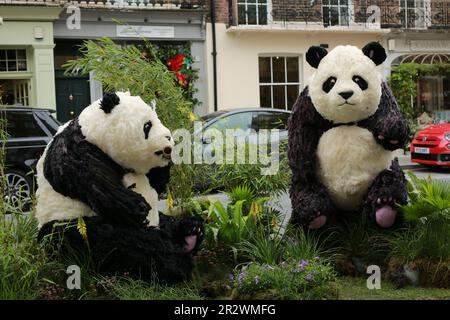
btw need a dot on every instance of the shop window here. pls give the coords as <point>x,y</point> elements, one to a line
<point>13,60</point>
<point>14,92</point>
<point>253,11</point>
<point>336,12</point>
<point>279,81</point>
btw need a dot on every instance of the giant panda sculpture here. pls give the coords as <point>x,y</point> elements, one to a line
<point>342,131</point>
<point>107,167</point>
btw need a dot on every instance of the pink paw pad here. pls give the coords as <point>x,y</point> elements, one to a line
<point>385,216</point>
<point>190,242</point>
<point>318,222</point>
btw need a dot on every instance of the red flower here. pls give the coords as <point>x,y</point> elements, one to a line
<point>182,79</point>
<point>176,62</point>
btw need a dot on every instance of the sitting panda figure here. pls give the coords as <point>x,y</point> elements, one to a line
<point>108,166</point>
<point>342,131</point>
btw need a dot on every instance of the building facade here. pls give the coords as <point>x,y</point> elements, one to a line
<point>168,22</point>
<point>260,45</point>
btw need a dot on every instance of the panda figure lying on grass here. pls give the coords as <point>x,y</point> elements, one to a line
<point>108,166</point>
<point>342,131</point>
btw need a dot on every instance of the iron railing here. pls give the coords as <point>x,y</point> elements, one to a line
<point>407,14</point>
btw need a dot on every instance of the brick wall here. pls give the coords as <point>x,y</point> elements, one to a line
<point>222,11</point>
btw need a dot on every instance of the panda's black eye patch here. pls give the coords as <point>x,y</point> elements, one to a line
<point>329,84</point>
<point>360,82</point>
<point>147,127</point>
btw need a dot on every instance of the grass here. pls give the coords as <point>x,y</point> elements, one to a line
<point>355,289</point>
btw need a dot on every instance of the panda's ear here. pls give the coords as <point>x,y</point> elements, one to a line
<point>375,51</point>
<point>314,55</point>
<point>109,101</point>
<point>153,105</point>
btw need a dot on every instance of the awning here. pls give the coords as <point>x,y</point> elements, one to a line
<point>425,58</point>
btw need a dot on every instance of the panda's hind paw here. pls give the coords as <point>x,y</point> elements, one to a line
<point>193,233</point>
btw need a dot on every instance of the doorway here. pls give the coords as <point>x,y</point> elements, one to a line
<point>72,95</point>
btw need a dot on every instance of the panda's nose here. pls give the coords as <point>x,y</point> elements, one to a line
<point>346,94</point>
<point>167,150</point>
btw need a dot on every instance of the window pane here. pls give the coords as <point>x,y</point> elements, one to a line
<point>241,14</point>
<point>334,16</point>
<point>22,65</point>
<point>251,14</point>
<point>235,121</point>
<point>21,54</point>
<point>344,2</point>
<point>279,100</point>
<point>12,65</point>
<point>278,69</point>
<point>344,17</point>
<point>262,14</point>
<point>251,1</point>
<point>326,17</point>
<point>292,69</point>
<point>21,125</point>
<point>11,54</point>
<point>2,55</point>
<point>2,66</point>
<point>264,69</point>
<point>292,94</point>
<point>334,2</point>
<point>265,96</point>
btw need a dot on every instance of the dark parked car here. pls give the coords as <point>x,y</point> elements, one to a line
<point>29,130</point>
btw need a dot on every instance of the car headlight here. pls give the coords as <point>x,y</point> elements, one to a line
<point>447,136</point>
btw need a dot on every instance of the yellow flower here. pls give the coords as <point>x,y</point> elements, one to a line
<point>255,210</point>
<point>82,229</point>
<point>192,116</point>
<point>169,201</point>
<point>274,223</point>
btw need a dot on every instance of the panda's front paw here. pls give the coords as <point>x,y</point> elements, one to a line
<point>191,232</point>
<point>392,135</point>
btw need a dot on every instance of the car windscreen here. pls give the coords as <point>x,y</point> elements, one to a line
<point>21,124</point>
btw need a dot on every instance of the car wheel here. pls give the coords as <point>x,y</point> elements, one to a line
<point>18,191</point>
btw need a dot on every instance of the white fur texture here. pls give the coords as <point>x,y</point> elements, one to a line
<point>120,133</point>
<point>150,195</point>
<point>344,62</point>
<point>349,159</point>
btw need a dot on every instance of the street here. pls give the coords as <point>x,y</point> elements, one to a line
<point>422,171</point>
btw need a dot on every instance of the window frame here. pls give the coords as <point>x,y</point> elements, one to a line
<point>425,7</point>
<point>16,60</point>
<point>256,4</point>
<point>285,83</point>
<point>350,13</point>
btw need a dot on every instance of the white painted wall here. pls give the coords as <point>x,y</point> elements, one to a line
<point>237,58</point>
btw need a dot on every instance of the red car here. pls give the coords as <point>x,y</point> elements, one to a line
<point>431,146</point>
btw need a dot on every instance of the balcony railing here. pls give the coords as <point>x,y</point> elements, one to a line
<point>119,4</point>
<point>403,14</point>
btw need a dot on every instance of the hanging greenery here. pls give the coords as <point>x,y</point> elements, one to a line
<point>403,82</point>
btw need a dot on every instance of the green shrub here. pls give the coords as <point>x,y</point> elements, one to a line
<point>297,279</point>
<point>428,217</point>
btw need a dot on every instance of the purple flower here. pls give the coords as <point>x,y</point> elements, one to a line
<point>301,266</point>
<point>256,280</point>
<point>231,276</point>
<point>309,277</point>
<point>241,277</point>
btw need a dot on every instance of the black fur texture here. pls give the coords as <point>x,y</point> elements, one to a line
<point>119,240</point>
<point>375,51</point>
<point>309,197</point>
<point>142,253</point>
<point>314,55</point>
<point>159,178</point>
<point>109,101</point>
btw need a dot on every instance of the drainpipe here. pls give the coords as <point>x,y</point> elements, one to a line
<point>214,51</point>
